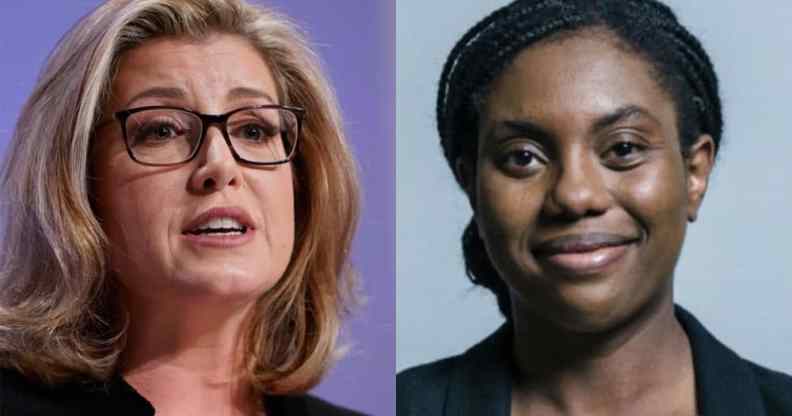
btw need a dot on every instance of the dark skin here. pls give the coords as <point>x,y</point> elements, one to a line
<point>582,196</point>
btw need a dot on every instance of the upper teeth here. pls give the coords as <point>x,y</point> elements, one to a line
<point>224,222</point>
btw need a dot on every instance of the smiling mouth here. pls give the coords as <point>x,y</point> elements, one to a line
<point>583,254</point>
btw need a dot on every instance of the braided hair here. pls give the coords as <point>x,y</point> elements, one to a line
<point>647,28</point>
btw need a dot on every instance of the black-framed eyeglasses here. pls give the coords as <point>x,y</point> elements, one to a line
<point>164,136</point>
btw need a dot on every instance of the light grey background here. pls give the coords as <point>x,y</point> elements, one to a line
<point>734,274</point>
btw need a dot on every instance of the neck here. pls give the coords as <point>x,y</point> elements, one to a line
<point>619,371</point>
<point>187,348</point>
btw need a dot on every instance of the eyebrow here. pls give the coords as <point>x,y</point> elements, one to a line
<point>621,114</point>
<point>529,128</point>
<point>523,127</point>
<point>178,93</point>
<point>245,92</point>
<point>157,92</point>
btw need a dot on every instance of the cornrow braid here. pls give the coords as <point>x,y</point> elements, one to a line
<point>647,28</point>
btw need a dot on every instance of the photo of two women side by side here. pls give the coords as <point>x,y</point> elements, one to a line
<point>454,207</point>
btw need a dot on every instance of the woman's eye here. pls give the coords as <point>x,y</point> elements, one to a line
<point>163,132</point>
<point>253,132</point>
<point>521,158</point>
<point>521,162</point>
<point>623,149</point>
<point>154,133</point>
<point>624,154</point>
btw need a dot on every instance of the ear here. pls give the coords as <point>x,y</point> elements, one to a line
<point>698,165</point>
<point>465,173</point>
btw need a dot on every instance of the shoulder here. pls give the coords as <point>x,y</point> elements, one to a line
<point>478,379</point>
<point>421,390</point>
<point>775,388</point>
<point>18,392</point>
<point>307,405</point>
<point>730,384</point>
<point>20,395</point>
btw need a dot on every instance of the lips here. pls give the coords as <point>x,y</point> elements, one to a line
<point>220,220</point>
<point>581,243</point>
<point>220,229</point>
<point>583,254</point>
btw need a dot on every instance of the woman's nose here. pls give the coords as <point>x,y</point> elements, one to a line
<point>217,167</point>
<point>579,189</point>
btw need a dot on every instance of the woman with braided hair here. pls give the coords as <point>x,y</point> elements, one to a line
<point>583,133</point>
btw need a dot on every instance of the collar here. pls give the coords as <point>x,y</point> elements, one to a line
<point>725,384</point>
<point>481,383</point>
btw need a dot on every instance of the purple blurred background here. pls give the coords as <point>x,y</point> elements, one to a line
<point>356,41</point>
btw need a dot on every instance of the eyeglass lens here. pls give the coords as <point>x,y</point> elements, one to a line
<point>164,136</point>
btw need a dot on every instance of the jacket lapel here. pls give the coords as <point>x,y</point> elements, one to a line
<point>481,383</point>
<point>725,384</point>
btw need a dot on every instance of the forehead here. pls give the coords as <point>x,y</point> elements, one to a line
<point>576,78</point>
<point>203,69</point>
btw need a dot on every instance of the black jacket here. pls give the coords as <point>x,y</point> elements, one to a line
<point>20,397</point>
<point>478,382</point>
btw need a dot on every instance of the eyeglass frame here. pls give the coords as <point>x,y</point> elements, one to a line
<point>206,121</point>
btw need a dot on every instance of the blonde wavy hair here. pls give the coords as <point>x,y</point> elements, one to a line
<point>60,316</point>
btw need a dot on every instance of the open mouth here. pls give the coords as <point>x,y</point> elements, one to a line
<point>219,227</point>
<point>220,231</point>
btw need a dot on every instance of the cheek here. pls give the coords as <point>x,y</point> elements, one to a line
<point>656,199</point>
<point>507,210</point>
<point>143,207</point>
<point>135,210</point>
<point>275,199</point>
<point>657,196</point>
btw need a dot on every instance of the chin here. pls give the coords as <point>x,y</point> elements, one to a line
<point>225,281</point>
<point>579,309</point>
<point>591,321</point>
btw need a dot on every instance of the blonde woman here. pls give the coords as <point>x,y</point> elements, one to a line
<point>180,206</point>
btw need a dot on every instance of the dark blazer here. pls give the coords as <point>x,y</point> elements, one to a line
<point>478,382</point>
<point>20,397</point>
